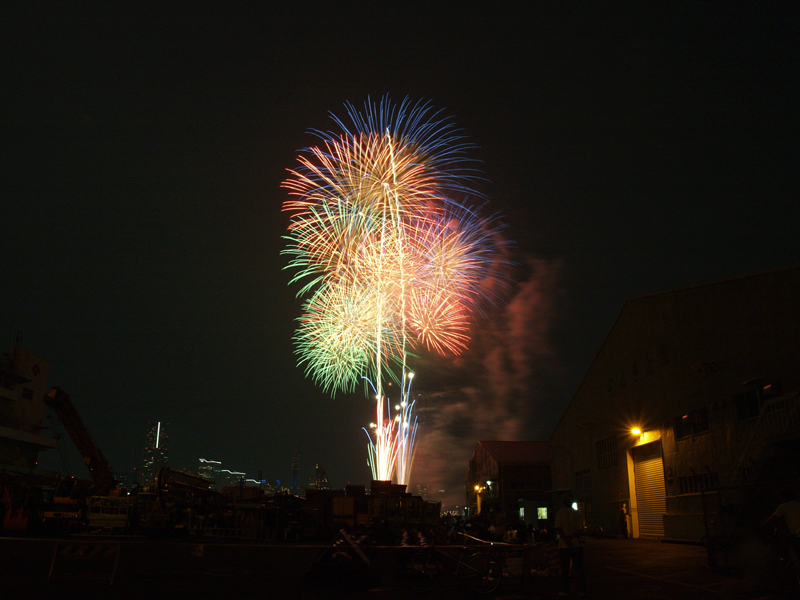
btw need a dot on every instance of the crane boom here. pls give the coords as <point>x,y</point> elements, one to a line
<point>99,469</point>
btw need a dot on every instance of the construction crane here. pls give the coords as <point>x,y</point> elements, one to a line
<point>99,470</point>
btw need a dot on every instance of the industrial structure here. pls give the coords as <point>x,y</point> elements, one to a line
<point>689,416</point>
<point>23,385</point>
<point>99,470</point>
<point>30,496</point>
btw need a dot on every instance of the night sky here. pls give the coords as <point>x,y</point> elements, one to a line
<point>629,149</point>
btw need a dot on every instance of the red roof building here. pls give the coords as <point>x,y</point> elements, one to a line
<point>510,478</point>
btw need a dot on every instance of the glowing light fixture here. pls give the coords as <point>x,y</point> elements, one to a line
<point>636,431</point>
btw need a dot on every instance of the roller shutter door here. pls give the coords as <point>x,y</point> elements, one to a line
<point>651,495</point>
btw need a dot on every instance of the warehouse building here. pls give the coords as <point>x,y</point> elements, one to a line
<point>693,393</point>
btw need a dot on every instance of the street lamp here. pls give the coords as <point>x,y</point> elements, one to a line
<point>478,490</point>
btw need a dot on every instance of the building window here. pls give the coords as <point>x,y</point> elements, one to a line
<point>583,486</point>
<point>541,513</point>
<point>748,404</point>
<point>691,423</point>
<point>607,455</point>
<point>693,484</point>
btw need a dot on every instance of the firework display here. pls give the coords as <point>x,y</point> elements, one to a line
<point>390,256</point>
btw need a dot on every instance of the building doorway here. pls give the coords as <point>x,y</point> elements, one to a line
<point>650,491</point>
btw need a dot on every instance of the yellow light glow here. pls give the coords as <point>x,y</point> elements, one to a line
<point>636,431</point>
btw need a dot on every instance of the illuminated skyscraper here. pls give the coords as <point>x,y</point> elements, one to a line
<point>155,450</point>
<point>210,470</point>
<point>321,479</point>
<point>228,478</point>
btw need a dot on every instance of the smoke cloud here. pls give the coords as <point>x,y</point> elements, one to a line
<point>491,393</point>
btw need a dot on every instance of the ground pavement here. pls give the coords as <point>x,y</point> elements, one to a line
<point>164,569</point>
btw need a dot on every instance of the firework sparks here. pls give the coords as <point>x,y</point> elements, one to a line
<point>381,239</point>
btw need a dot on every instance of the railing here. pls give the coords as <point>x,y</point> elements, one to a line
<point>781,416</point>
<point>778,418</point>
<point>238,533</point>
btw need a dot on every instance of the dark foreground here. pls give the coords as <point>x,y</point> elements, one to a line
<point>157,569</point>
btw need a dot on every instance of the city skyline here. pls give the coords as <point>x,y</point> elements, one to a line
<point>156,454</point>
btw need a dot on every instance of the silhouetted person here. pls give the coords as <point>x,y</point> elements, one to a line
<point>569,527</point>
